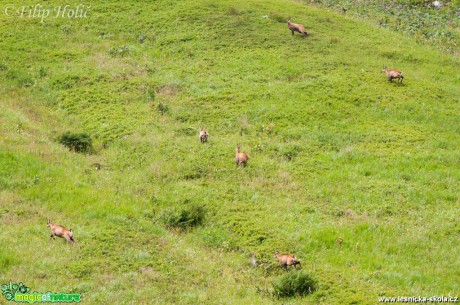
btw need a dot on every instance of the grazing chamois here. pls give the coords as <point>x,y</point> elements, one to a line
<point>286,260</point>
<point>393,74</point>
<point>60,231</point>
<point>294,27</point>
<point>203,135</point>
<point>241,158</point>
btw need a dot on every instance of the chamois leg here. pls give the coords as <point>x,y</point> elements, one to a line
<point>292,32</point>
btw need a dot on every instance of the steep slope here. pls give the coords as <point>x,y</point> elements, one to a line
<point>357,176</point>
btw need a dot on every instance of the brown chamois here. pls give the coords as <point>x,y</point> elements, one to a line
<point>294,27</point>
<point>241,158</point>
<point>203,135</point>
<point>286,260</point>
<point>60,231</point>
<point>393,74</point>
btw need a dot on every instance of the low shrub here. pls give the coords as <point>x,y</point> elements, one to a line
<point>278,17</point>
<point>184,218</point>
<point>294,283</point>
<point>233,11</point>
<point>78,142</point>
<point>162,108</point>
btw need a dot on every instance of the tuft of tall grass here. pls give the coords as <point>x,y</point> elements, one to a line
<point>184,218</point>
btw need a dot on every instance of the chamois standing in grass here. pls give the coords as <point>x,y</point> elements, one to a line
<point>241,158</point>
<point>295,27</point>
<point>286,260</point>
<point>203,135</point>
<point>393,74</point>
<point>60,231</point>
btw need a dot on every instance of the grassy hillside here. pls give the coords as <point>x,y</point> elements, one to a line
<point>355,175</point>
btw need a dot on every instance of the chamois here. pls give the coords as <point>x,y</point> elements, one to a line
<point>203,135</point>
<point>241,158</point>
<point>294,27</point>
<point>286,260</point>
<point>393,74</point>
<point>60,231</point>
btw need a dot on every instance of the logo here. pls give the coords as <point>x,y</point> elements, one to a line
<point>21,293</point>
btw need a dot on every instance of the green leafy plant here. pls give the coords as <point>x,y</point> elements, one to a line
<point>296,283</point>
<point>162,108</point>
<point>184,218</point>
<point>78,142</point>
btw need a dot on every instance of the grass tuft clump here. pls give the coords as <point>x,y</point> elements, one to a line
<point>78,142</point>
<point>233,11</point>
<point>7,259</point>
<point>26,81</point>
<point>162,108</point>
<point>278,17</point>
<point>120,51</point>
<point>292,284</point>
<point>184,218</point>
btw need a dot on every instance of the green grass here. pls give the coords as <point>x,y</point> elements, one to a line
<point>356,176</point>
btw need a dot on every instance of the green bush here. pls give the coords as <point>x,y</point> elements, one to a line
<point>184,218</point>
<point>292,284</point>
<point>162,108</point>
<point>278,17</point>
<point>233,11</point>
<point>78,142</point>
